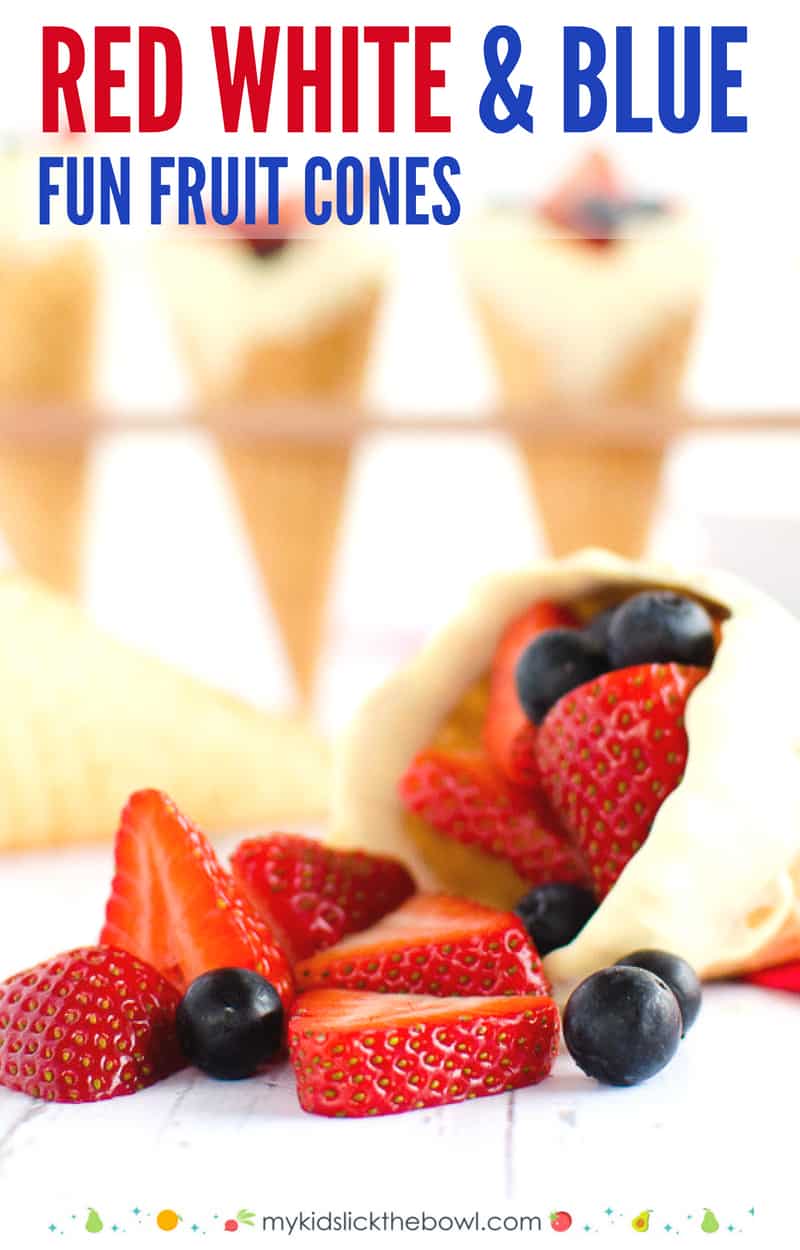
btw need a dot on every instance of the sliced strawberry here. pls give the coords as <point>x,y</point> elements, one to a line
<point>610,752</point>
<point>434,944</point>
<point>509,736</point>
<point>91,1024</point>
<point>312,895</point>
<point>462,796</point>
<point>378,1054</point>
<point>173,904</point>
<point>784,977</point>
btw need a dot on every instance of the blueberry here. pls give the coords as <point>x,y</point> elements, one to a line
<point>554,914</point>
<point>230,1022</point>
<point>596,630</point>
<point>660,627</point>
<point>677,974</point>
<point>622,1025</point>
<point>556,662</point>
<point>264,247</point>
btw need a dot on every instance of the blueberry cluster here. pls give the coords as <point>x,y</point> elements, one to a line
<point>623,1025</point>
<point>654,627</point>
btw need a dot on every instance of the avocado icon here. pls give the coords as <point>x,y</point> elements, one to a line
<point>710,1222</point>
<point>641,1223</point>
<point>93,1223</point>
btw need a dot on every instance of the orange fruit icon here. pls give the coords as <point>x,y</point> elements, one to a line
<point>167,1220</point>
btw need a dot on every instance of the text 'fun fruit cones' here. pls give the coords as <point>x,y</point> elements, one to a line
<point>92,719</point>
<point>265,323</point>
<point>48,296</point>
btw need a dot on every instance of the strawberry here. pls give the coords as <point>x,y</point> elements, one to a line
<point>610,752</point>
<point>173,904</point>
<point>434,944</point>
<point>462,796</point>
<point>509,736</point>
<point>378,1054</point>
<point>784,977</point>
<point>91,1024</point>
<point>313,895</point>
<point>574,205</point>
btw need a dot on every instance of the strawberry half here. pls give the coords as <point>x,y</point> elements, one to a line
<point>378,1054</point>
<point>313,895</point>
<point>509,735</point>
<point>434,944</point>
<point>610,752</point>
<point>91,1024</point>
<point>173,904</point>
<point>461,795</point>
<point>784,977</point>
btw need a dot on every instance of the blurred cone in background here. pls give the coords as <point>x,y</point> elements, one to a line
<point>48,298</point>
<point>291,497</point>
<point>589,304</point>
<point>292,324</point>
<point>604,496</point>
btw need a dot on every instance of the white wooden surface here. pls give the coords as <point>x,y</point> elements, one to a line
<point>711,1131</point>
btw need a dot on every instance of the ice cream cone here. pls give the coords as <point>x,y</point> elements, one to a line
<point>47,313</point>
<point>93,720</point>
<point>42,497</point>
<point>291,497</point>
<point>586,490</point>
<point>291,494</point>
<point>260,333</point>
<point>589,492</point>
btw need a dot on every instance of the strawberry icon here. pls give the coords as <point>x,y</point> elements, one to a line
<point>560,1221</point>
<point>242,1217</point>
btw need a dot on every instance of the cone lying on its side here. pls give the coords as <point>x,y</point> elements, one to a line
<point>587,491</point>
<point>89,720</point>
<point>291,494</point>
<point>47,318</point>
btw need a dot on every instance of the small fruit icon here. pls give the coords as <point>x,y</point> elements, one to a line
<point>641,1222</point>
<point>242,1217</point>
<point>167,1220</point>
<point>710,1222</point>
<point>560,1221</point>
<point>93,1222</point>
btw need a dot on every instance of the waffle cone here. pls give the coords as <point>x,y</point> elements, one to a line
<point>651,376</point>
<point>586,494</point>
<point>291,494</point>
<point>326,361</point>
<point>47,315</point>
<point>291,497</point>
<point>93,720</point>
<point>42,504</point>
<point>593,494</point>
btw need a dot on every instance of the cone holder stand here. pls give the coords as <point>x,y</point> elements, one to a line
<point>592,483</point>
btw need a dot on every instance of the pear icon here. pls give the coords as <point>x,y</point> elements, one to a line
<point>93,1222</point>
<point>641,1222</point>
<point>710,1222</point>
